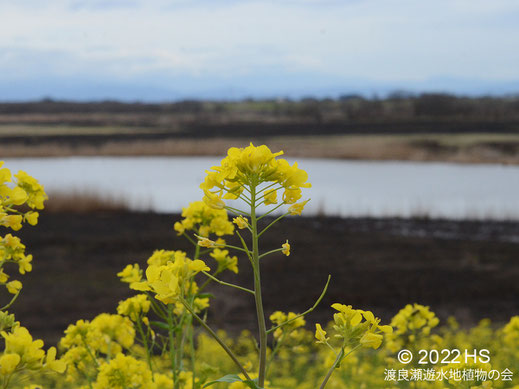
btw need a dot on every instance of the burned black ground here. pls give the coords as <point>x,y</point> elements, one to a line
<point>464,269</point>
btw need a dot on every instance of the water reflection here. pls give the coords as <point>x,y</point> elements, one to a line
<point>346,188</point>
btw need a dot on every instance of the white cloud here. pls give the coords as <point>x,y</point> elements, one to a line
<point>376,39</point>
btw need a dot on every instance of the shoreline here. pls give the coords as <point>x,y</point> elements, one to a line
<point>455,148</point>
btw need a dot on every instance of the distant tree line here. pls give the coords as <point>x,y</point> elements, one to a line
<point>396,106</point>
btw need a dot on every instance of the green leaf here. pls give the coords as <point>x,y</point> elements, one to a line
<point>160,324</point>
<point>204,295</point>
<point>252,384</point>
<point>230,378</point>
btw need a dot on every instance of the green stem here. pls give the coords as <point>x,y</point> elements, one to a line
<point>217,338</point>
<point>192,350</point>
<point>188,238</point>
<point>172,355</point>
<point>273,354</point>
<point>272,210</point>
<point>330,372</point>
<point>208,281</point>
<point>11,302</point>
<point>155,307</point>
<point>245,199</point>
<point>245,247</point>
<point>228,284</point>
<point>245,187</point>
<point>270,252</point>
<point>197,252</point>
<point>338,360</point>
<point>268,187</point>
<point>6,382</point>
<point>271,224</point>
<point>145,342</point>
<point>180,345</point>
<point>330,347</point>
<point>305,312</point>
<point>248,227</point>
<point>257,293</point>
<point>89,352</point>
<point>236,211</point>
<point>233,247</point>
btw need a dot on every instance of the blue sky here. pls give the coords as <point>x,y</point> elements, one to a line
<point>161,50</point>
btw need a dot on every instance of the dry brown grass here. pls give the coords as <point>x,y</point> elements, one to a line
<point>81,202</point>
<point>466,148</point>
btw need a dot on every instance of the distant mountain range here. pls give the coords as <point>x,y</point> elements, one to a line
<point>293,86</point>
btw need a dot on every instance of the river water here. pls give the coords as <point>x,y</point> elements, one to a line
<point>339,187</point>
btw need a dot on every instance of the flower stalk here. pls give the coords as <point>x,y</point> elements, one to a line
<point>262,328</point>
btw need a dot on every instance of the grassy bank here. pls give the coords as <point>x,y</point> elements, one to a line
<point>426,127</point>
<point>461,148</point>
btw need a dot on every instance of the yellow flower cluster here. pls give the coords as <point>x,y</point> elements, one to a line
<point>278,318</point>
<point>250,167</point>
<point>12,250</point>
<point>198,305</point>
<point>17,190</point>
<point>225,260</point>
<point>23,353</point>
<point>204,220</point>
<point>162,257</point>
<point>87,344</point>
<point>285,248</point>
<point>171,280</point>
<point>294,368</point>
<point>106,333</point>
<point>169,275</point>
<point>410,321</point>
<point>511,332</point>
<point>355,327</point>
<point>124,372</point>
<point>131,274</point>
<point>7,321</point>
<point>367,368</point>
<point>205,242</point>
<point>241,222</point>
<point>20,195</point>
<point>134,307</point>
